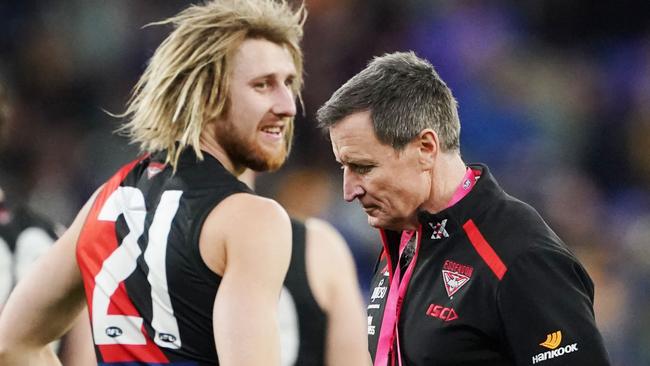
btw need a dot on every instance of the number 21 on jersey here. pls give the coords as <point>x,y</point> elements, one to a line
<point>111,329</point>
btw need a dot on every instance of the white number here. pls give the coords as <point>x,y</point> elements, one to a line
<point>125,329</point>
<point>163,321</point>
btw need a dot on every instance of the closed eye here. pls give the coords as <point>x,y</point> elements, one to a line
<point>360,169</point>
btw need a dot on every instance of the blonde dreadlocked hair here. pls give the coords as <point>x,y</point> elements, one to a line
<point>186,83</point>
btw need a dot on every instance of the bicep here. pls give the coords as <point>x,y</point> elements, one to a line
<point>77,349</point>
<point>258,247</point>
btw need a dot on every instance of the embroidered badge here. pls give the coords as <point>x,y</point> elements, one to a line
<point>455,275</point>
<point>439,230</point>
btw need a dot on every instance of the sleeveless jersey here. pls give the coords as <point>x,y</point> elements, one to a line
<point>150,295</point>
<point>303,323</point>
<point>24,236</point>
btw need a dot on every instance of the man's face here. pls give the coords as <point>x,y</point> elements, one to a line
<point>389,185</point>
<point>253,133</point>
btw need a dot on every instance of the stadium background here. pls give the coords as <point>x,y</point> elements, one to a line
<point>554,96</point>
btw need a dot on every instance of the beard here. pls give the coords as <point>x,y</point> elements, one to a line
<point>246,153</point>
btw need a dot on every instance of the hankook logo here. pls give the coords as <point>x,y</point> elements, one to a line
<point>552,342</point>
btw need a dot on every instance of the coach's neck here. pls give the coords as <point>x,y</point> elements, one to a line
<point>446,175</point>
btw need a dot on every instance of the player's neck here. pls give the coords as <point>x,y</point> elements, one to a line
<point>209,144</point>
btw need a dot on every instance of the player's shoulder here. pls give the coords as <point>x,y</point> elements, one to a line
<point>321,228</point>
<point>321,231</point>
<point>325,242</point>
<point>328,260</point>
<point>244,223</point>
<point>247,211</point>
<point>251,205</point>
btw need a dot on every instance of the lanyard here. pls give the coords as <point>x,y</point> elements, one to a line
<point>396,293</point>
<point>399,283</point>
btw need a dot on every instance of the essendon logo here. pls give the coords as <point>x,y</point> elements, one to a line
<point>455,276</point>
<point>441,312</point>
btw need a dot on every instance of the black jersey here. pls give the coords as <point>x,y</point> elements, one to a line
<point>24,236</point>
<point>303,323</point>
<point>150,295</point>
<point>491,284</point>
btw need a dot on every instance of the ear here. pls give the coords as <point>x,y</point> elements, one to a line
<point>428,147</point>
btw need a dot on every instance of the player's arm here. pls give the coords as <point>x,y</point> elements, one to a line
<point>249,237</point>
<point>545,302</point>
<point>333,278</point>
<point>77,345</point>
<point>44,304</point>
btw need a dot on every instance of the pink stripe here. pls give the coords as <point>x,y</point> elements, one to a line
<point>484,249</point>
<point>393,305</point>
<point>466,185</point>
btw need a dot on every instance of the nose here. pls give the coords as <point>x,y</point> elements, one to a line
<point>351,186</point>
<point>285,102</point>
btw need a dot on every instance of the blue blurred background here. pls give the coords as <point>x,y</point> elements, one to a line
<point>554,96</point>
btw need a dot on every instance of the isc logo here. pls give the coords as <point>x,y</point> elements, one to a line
<point>441,312</point>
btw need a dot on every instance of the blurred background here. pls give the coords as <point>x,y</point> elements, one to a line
<point>554,96</point>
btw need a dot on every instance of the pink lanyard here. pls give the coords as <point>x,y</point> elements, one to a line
<point>397,291</point>
<point>396,294</point>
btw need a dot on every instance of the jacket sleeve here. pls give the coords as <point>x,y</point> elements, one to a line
<point>545,302</point>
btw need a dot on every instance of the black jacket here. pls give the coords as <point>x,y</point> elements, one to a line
<point>492,285</point>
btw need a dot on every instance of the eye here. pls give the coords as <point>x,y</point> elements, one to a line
<point>289,81</point>
<point>361,169</point>
<point>262,84</point>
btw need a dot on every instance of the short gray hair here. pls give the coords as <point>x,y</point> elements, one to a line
<point>404,95</point>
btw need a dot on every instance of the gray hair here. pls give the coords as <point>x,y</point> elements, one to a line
<point>404,95</point>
